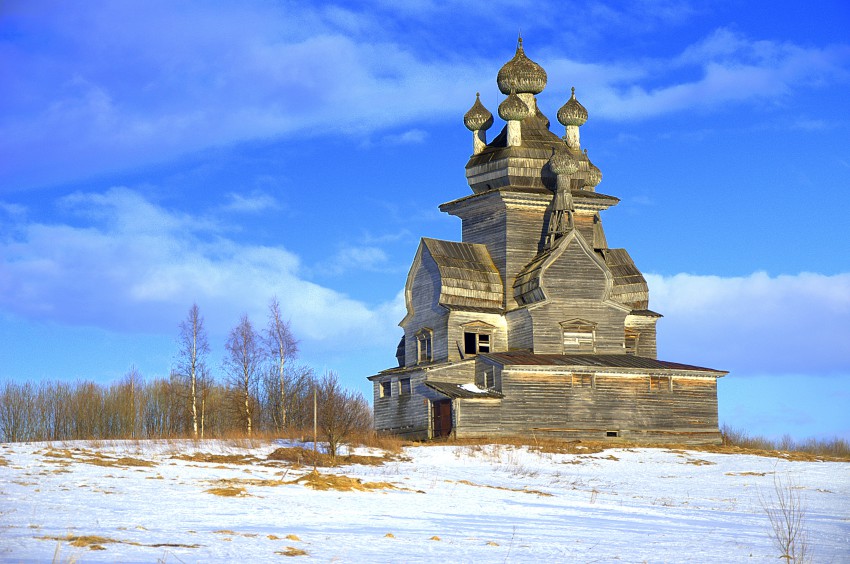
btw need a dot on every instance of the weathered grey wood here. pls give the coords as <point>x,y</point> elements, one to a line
<point>568,295</point>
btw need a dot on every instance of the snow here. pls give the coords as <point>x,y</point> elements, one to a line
<point>473,388</point>
<point>453,503</point>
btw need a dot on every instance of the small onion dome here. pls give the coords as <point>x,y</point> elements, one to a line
<point>478,117</point>
<point>521,74</point>
<point>572,113</point>
<point>594,175</point>
<point>562,162</point>
<point>513,109</point>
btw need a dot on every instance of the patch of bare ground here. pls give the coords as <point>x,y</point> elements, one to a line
<point>748,473</point>
<point>236,482</point>
<point>291,551</point>
<point>217,458</point>
<point>299,456</point>
<point>95,542</point>
<point>338,482</point>
<point>503,488</point>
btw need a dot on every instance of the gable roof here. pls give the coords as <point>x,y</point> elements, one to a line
<point>468,277</point>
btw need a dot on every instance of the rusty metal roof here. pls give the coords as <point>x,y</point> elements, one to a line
<point>522,358</point>
<point>455,391</point>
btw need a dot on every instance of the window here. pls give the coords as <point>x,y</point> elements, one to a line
<point>579,337</point>
<point>660,384</point>
<point>631,342</point>
<point>386,389</point>
<point>612,433</point>
<point>404,386</point>
<point>582,381</point>
<point>490,379</point>
<point>423,346</point>
<point>474,343</point>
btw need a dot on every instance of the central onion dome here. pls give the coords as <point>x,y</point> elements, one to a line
<point>478,117</point>
<point>513,108</point>
<point>521,75</point>
<point>572,113</point>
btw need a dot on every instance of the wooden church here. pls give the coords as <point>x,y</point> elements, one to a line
<point>533,325</point>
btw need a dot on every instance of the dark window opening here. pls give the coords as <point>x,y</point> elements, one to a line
<point>612,434</point>
<point>386,389</point>
<point>404,386</point>
<point>423,346</point>
<point>474,343</point>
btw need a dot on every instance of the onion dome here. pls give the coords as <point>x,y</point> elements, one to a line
<point>521,74</point>
<point>562,162</point>
<point>513,109</point>
<point>572,113</point>
<point>594,175</point>
<point>478,117</point>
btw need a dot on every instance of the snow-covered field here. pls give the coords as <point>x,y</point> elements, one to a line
<point>151,502</point>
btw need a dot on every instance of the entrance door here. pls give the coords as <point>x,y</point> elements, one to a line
<point>442,418</point>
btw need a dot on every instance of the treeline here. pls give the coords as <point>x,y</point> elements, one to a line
<point>261,390</point>
<point>133,408</point>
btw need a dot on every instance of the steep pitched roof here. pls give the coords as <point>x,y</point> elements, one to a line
<point>468,277</point>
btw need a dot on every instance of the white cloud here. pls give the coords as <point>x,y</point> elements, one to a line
<point>755,324</point>
<point>249,203</point>
<point>135,267</point>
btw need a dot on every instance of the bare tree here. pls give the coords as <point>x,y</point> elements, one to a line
<point>191,358</point>
<point>787,515</point>
<point>341,412</point>
<point>242,363</point>
<point>282,347</point>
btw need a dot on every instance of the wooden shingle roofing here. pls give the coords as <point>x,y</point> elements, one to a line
<point>469,279</point>
<point>457,391</point>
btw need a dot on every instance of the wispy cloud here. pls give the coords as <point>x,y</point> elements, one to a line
<point>128,265</point>
<point>249,203</point>
<point>755,324</point>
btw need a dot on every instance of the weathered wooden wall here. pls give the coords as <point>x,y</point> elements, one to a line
<point>589,406</point>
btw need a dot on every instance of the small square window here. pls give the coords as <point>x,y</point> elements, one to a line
<point>386,389</point>
<point>404,386</point>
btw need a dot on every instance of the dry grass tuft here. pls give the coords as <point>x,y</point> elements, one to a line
<point>809,450</point>
<point>305,457</point>
<point>228,491</point>
<point>699,462</point>
<point>272,537</point>
<point>291,551</point>
<point>94,542</point>
<point>389,536</point>
<point>337,482</point>
<point>491,543</point>
<point>520,490</point>
<point>293,538</point>
<point>3,461</point>
<point>217,458</point>
<point>435,538</point>
<point>748,473</point>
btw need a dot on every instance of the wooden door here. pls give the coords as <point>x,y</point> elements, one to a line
<point>442,418</point>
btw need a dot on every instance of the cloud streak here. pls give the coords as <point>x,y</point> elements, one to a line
<point>755,324</point>
<point>173,80</point>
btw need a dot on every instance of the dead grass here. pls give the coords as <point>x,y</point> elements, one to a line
<point>300,456</point>
<point>95,458</point>
<point>503,488</point>
<point>94,542</point>
<point>217,458</point>
<point>339,482</point>
<point>228,491</point>
<point>748,473</point>
<point>237,482</point>
<point>810,450</point>
<point>291,551</point>
<point>3,461</point>
<point>293,538</point>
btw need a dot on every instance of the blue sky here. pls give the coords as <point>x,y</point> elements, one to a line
<point>156,154</point>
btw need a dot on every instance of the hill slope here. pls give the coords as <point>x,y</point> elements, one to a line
<point>221,501</point>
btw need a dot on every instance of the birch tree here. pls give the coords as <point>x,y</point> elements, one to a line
<point>191,359</point>
<point>242,364</point>
<point>282,347</point>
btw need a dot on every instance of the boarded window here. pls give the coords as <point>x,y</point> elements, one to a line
<point>579,337</point>
<point>423,346</point>
<point>583,381</point>
<point>386,389</point>
<point>660,384</point>
<point>631,341</point>
<point>404,386</point>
